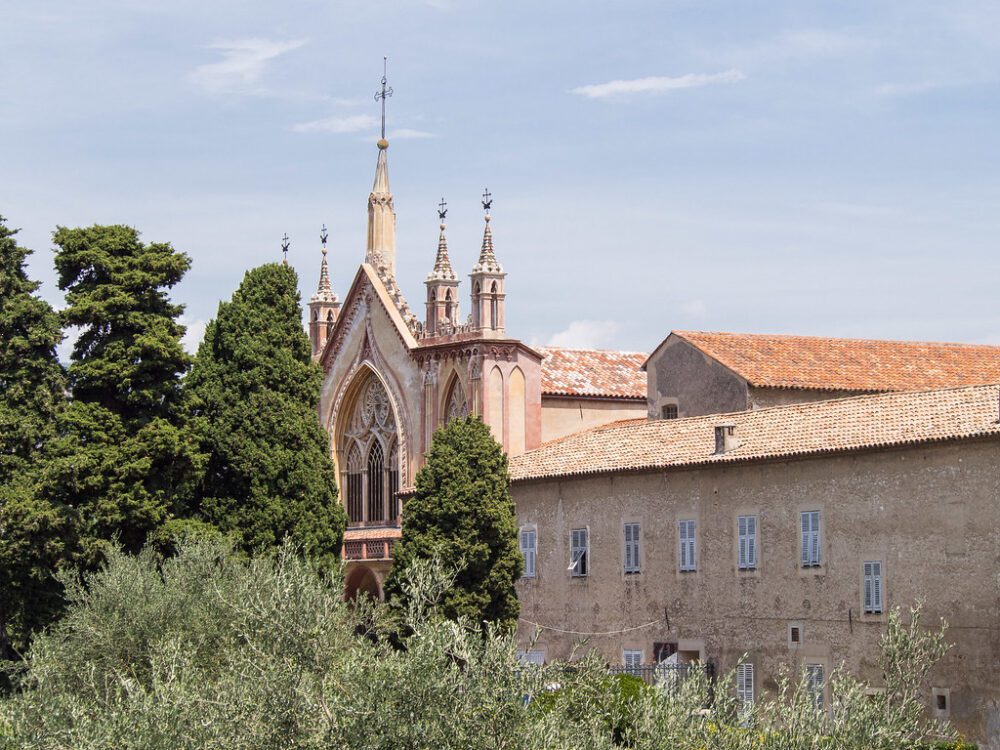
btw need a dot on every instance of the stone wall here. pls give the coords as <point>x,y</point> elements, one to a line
<point>562,415</point>
<point>931,514</point>
<point>679,373</point>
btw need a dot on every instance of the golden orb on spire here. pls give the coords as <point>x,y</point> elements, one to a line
<point>383,144</point>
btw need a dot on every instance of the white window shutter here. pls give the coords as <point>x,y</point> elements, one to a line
<point>806,527</point>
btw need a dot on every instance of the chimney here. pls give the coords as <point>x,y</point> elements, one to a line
<point>725,438</point>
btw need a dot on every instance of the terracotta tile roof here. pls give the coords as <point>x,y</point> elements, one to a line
<point>848,364</point>
<point>592,372</point>
<point>847,424</point>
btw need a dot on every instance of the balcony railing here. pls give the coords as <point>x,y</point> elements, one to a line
<point>368,549</point>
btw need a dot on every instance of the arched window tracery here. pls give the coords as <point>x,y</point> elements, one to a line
<point>494,306</point>
<point>371,481</point>
<point>457,405</point>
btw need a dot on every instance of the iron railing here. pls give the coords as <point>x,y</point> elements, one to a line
<point>665,675</point>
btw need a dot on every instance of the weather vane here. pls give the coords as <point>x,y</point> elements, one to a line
<point>442,209</point>
<point>323,236</point>
<point>487,200</point>
<point>384,93</point>
<point>284,247</point>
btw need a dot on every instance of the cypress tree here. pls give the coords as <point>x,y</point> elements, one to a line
<point>123,457</point>
<point>33,531</point>
<point>32,383</point>
<point>252,396</point>
<point>462,513</point>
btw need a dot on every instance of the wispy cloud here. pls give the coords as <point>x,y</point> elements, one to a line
<point>586,334</point>
<point>348,124</point>
<point>242,65</point>
<point>657,84</point>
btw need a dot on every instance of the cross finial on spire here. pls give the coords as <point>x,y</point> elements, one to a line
<point>285,244</point>
<point>442,209</point>
<point>384,93</point>
<point>323,237</point>
<point>487,200</point>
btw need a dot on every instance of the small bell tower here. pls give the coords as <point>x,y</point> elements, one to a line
<point>488,293</point>
<point>442,287</point>
<point>324,307</point>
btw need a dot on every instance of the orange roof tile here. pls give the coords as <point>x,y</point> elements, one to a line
<point>847,424</point>
<point>592,372</point>
<point>848,364</point>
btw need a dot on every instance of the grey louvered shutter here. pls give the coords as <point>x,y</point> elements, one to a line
<point>751,549</point>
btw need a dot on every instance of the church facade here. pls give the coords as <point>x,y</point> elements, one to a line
<point>726,497</point>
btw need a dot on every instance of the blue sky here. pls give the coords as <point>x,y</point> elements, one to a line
<point>785,167</point>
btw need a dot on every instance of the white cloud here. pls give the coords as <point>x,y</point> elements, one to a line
<point>657,84</point>
<point>586,334</point>
<point>242,65</point>
<point>349,124</point>
<point>195,333</point>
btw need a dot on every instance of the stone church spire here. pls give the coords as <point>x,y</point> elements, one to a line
<point>381,216</point>
<point>324,307</point>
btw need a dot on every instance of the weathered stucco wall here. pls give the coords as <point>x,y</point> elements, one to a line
<point>563,416</point>
<point>762,398</point>
<point>679,373</point>
<point>931,514</point>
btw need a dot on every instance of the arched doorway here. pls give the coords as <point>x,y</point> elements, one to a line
<point>362,581</point>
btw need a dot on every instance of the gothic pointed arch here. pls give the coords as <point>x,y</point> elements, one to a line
<point>456,403</point>
<point>367,447</point>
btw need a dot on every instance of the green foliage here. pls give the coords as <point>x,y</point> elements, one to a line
<point>128,357</point>
<point>211,649</point>
<point>32,383</point>
<point>252,397</point>
<point>31,380</point>
<point>462,513</point>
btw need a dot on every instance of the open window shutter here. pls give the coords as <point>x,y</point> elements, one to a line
<point>869,594</point>
<point>876,586</point>
<point>806,527</point>
<point>815,538</point>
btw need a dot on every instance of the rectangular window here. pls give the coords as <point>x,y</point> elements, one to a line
<point>747,534</point>
<point>631,548</point>
<point>529,550</point>
<point>531,657</point>
<point>632,661</point>
<point>744,684</point>
<point>687,557</point>
<point>579,563</point>
<point>873,586</point>
<point>814,683</point>
<point>810,539</point>
<point>669,411</point>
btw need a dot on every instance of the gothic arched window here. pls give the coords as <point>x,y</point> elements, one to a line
<point>457,406</point>
<point>329,323</point>
<point>447,306</point>
<point>370,480</point>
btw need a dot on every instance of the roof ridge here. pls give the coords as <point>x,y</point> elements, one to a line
<point>812,337</point>
<point>588,349</point>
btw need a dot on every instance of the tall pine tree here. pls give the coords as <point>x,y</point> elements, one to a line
<point>33,531</point>
<point>252,396</point>
<point>462,513</point>
<point>123,458</point>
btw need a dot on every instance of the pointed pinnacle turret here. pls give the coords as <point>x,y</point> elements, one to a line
<point>487,259</point>
<point>442,263</point>
<point>324,292</point>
